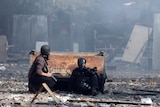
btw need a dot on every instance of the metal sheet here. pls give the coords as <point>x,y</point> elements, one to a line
<point>64,63</point>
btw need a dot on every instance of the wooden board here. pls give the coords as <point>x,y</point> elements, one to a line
<point>136,44</point>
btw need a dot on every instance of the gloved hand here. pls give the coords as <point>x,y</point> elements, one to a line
<point>93,70</point>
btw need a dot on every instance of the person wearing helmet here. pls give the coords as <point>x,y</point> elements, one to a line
<point>83,79</point>
<point>39,73</point>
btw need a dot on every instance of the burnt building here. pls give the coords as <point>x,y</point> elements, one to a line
<point>82,26</point>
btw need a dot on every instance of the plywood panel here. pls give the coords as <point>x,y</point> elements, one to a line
<point>136,44</point>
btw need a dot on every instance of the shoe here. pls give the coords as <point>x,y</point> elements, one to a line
<point>94,92</point>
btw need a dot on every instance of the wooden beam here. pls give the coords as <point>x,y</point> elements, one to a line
<point>108,101</point>
<point>145,90</point>
<point>51,93</point>
<point>135,93</point>
<point>37,94</point>
<point>44,85</point>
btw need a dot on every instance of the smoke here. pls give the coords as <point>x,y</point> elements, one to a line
<point>72,22</point>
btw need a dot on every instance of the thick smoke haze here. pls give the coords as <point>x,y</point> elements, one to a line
<point>111,14</point>
<point>79,25</point>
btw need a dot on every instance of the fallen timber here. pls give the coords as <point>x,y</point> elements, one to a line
<point>145,90</point>
<point>44,85</point>
<point>109,102</point>
<point>89,102</point>
<point>135,93</point>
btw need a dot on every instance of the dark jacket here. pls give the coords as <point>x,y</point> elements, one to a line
<point>35,80</point>
<point>83,80</point>
<point>39,64</point>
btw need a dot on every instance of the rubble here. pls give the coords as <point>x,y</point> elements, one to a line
<point>123,91</point>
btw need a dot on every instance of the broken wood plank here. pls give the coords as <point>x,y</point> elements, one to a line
<point>44,85</point>
<point>37,94</point>
<point>136,93</point>
<point>108,101</point>
<point>51,93</point>
<point>145,90</point>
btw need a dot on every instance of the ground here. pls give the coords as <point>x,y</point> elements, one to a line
<point>129,86</point>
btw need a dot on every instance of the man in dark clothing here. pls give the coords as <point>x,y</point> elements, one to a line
<point>84,80</point>
<point>39,73</point>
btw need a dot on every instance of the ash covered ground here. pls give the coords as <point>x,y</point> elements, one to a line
<point>124,84</point>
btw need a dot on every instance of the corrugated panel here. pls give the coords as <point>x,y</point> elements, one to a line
<point>64,63</point>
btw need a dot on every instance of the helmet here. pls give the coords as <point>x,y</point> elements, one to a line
<point>45,50</point>
<point>81,62</point>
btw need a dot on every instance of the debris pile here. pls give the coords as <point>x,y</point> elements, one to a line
<point>142,91</point>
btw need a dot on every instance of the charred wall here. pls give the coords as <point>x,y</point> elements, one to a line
<point>83,18</point>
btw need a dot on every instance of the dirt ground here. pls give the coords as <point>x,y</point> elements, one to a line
<point>126,86</point>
